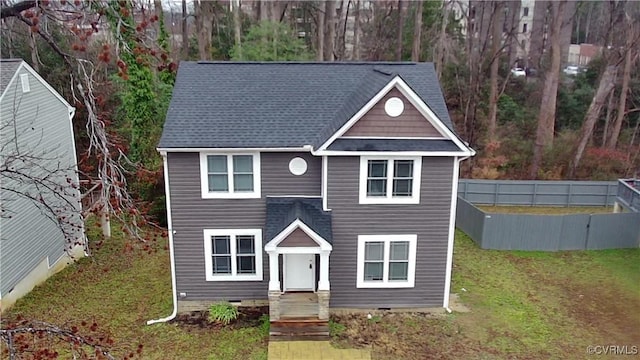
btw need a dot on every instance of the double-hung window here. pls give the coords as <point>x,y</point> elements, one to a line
<point>230,175</point>
<point>390,180</point>
<point>233,254</point>
<point>386,261</point>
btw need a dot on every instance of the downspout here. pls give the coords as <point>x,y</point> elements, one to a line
<point>171,247</point>
<point>454,200</point>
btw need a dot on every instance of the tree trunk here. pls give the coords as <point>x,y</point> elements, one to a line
<point>496,39</point>
<point>157,6</point>
<point>237,26</point>
<point>607,118</point>
<point>547,113</point>
<point>34,51</point>
<point>612,141</point>
<point>185,33</point>
<point>320,33</point>
<point>607,82</point>
<point>417,32</point>
<point>441,45</point>
<point>356,33</point>
<point>330,34</point>
<point>204,22</point>
<point>399,35</point>
<point>265,10</point>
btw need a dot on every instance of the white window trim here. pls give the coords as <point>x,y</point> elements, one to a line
<point>389,198</point>
<point>387,239</point>
<point>208,259</point>
<point>231,194</point>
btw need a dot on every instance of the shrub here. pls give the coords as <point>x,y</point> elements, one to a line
<point>223,312</point>
<point>336,329</point>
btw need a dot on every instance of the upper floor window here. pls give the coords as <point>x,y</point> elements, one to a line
<point>233,254</point>
<point>390,180</point>
<point>230,175</point>
<point>525,11</point>
<point>524,28</point>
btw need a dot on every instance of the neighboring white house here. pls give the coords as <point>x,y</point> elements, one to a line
<point>38,182</point>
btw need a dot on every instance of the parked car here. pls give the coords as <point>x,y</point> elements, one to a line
<point>571,70</point>
<point>531,71</point>
<point>517,72</point>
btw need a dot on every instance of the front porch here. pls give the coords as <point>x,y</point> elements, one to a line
<point>299,246</point>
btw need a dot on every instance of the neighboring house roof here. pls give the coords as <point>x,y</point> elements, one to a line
<point>276,105</point>
<point>8,68</point>
<point>282,211</point>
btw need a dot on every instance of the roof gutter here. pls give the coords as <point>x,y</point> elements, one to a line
<point>171,248</point>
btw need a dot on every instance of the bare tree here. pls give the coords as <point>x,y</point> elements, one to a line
<point>496,42</point>
<point>400,31</point>
<point>605,86</point>
<point>417,32</point>
<point>356,32</point>
<point>185,31</point>
<point>320,30</point>
<point>111,162</point>
<point>330,30</point>
<point>547,112</point>
<point>630,50</point>
<point>237,25</point>
<point>205,12</point>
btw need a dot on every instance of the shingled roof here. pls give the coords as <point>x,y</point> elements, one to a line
<point>8,68</point>
<point>282,211</point>
<point>273,104</point>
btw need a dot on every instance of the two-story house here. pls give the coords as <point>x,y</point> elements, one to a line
<point>336,180</point>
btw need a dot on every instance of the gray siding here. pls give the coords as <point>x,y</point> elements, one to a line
<point>43,130</point>
<point>191,214</point>
<point>429,220</point>
<point>376,122</point>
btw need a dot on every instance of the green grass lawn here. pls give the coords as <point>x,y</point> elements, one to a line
<point>524,305</point>
<point>124,284</point>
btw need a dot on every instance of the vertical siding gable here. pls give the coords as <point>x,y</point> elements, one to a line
<point>376,122</point>
<point>298,238</point>
<point>44,130</point>
<point>429,220</point>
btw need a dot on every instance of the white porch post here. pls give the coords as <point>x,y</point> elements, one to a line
<point>274,272</point>
<point>323,284</point>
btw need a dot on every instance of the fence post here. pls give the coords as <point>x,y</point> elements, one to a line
<point>569,195</point>
<point>495,195</point>
<point>466,189</point>
<point>535,193</point>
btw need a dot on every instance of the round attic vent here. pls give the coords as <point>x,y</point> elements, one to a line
<point>394,107</point>
<point>298,166</point>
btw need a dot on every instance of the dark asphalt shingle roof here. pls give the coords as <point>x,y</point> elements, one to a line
<point>282,211</point>
<point>8,68</point>
<point>252,104</point>
<point>393,145</point>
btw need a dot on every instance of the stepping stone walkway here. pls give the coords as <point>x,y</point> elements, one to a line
<point>313,350</point>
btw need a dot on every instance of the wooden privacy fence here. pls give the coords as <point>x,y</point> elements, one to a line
<point>548,232</point>
<point>538,192</point>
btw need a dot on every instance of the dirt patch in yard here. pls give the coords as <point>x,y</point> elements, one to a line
<point>405,336</point>
<point>248,316</point>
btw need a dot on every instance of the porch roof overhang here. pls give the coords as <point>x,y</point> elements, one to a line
<point>286,214</point>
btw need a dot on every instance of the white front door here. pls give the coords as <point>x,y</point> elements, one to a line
<point>299,272</point>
